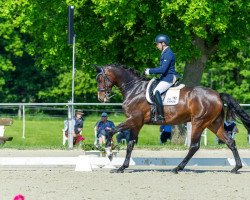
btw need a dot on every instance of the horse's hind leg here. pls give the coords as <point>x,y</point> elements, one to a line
<point>231,145</point>
<point>194,146</point>
<point>221,134</point>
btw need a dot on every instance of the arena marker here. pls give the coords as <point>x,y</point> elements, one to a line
<point>83,164</point>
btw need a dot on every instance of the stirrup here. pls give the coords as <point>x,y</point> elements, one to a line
<point>160,118</point>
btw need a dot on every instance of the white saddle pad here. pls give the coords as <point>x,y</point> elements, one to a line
<point>170,98</point>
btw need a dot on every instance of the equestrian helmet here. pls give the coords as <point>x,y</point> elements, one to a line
<point>162,38</point>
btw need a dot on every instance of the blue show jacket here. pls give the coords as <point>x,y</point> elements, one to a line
<point>167,66</point>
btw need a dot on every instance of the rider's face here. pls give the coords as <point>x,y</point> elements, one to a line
<point>159,46</point>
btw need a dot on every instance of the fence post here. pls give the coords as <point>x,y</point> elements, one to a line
<point>248,137</point>
<point>19,112</point>
<point>71,126</point>
<point>189,131</point>
<point>23,122</point>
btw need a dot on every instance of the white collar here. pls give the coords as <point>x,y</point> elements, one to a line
<point>164,50</point>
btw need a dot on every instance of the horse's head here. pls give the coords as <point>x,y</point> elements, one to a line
<point>104,83</point>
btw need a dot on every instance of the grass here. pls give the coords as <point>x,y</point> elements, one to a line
<point>46,133</point>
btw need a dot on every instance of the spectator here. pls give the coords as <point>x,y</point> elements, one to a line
<point>123,135</point>
<point>102,128</point>
<point>230,128</point>
<point>165,133</point>
<point>78,126</point>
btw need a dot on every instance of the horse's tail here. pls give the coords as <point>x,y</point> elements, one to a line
<point>234,109</point>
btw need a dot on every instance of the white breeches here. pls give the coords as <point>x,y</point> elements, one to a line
<point>163,86</point>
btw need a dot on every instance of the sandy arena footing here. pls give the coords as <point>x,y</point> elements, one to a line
<point>137,182</point>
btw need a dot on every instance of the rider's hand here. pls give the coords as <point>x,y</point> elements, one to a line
<point>146,71</point>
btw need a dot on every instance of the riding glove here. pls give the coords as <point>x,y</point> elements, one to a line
<point>146,71</point>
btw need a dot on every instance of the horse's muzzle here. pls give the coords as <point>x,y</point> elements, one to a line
<point>103,97</point>
<point>103,100</point>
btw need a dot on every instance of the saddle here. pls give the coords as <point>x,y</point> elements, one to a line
<point>169,97</point>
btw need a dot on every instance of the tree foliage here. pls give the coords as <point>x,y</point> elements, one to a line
<point>210,38</point>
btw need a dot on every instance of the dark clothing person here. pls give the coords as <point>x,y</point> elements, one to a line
<point>167,66</point>
<point>166,133</point>
<point>78,125</point>
<point>231,129</point>
<point>229,126</point>
<point>123,135</point>
<point>102,127</point>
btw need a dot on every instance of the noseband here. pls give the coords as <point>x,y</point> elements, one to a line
<point>107,80</point>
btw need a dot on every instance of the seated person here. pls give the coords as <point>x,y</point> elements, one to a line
<point>123,135</point>
<point>102,128</point>
<point>165,133</point>
<point>78,125</point>
<point>231,129</point>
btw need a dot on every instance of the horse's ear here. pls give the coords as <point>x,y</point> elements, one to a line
<point>97,69</point>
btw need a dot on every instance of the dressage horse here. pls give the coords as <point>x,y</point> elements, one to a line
<point>201,106</point>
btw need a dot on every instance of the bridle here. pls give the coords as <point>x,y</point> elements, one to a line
<point>106,89</point>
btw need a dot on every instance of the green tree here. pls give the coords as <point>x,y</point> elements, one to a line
<point>207,36</point>
<point>10,43</point>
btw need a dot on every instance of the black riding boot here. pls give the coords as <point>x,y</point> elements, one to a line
<point>159,106</point>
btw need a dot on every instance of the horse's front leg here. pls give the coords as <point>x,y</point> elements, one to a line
<point>108,149</point>
<point>134,124</point>
<point>125,165</point>
<point>133,138</point>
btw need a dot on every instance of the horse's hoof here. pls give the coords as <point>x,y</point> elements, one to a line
<point>174,171</point>
<point>235,171</point>
<point>110,156</point>
<point>117,171</point>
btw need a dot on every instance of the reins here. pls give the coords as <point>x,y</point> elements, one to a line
<point>125,86</point>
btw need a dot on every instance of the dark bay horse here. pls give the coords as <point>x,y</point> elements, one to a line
<point>203,107</point>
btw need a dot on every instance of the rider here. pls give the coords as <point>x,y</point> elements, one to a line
<point>166,69</point>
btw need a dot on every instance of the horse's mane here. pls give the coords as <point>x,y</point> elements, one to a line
<point>129,69</point>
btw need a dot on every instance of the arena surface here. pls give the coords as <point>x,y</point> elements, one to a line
<point>138,182</point>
